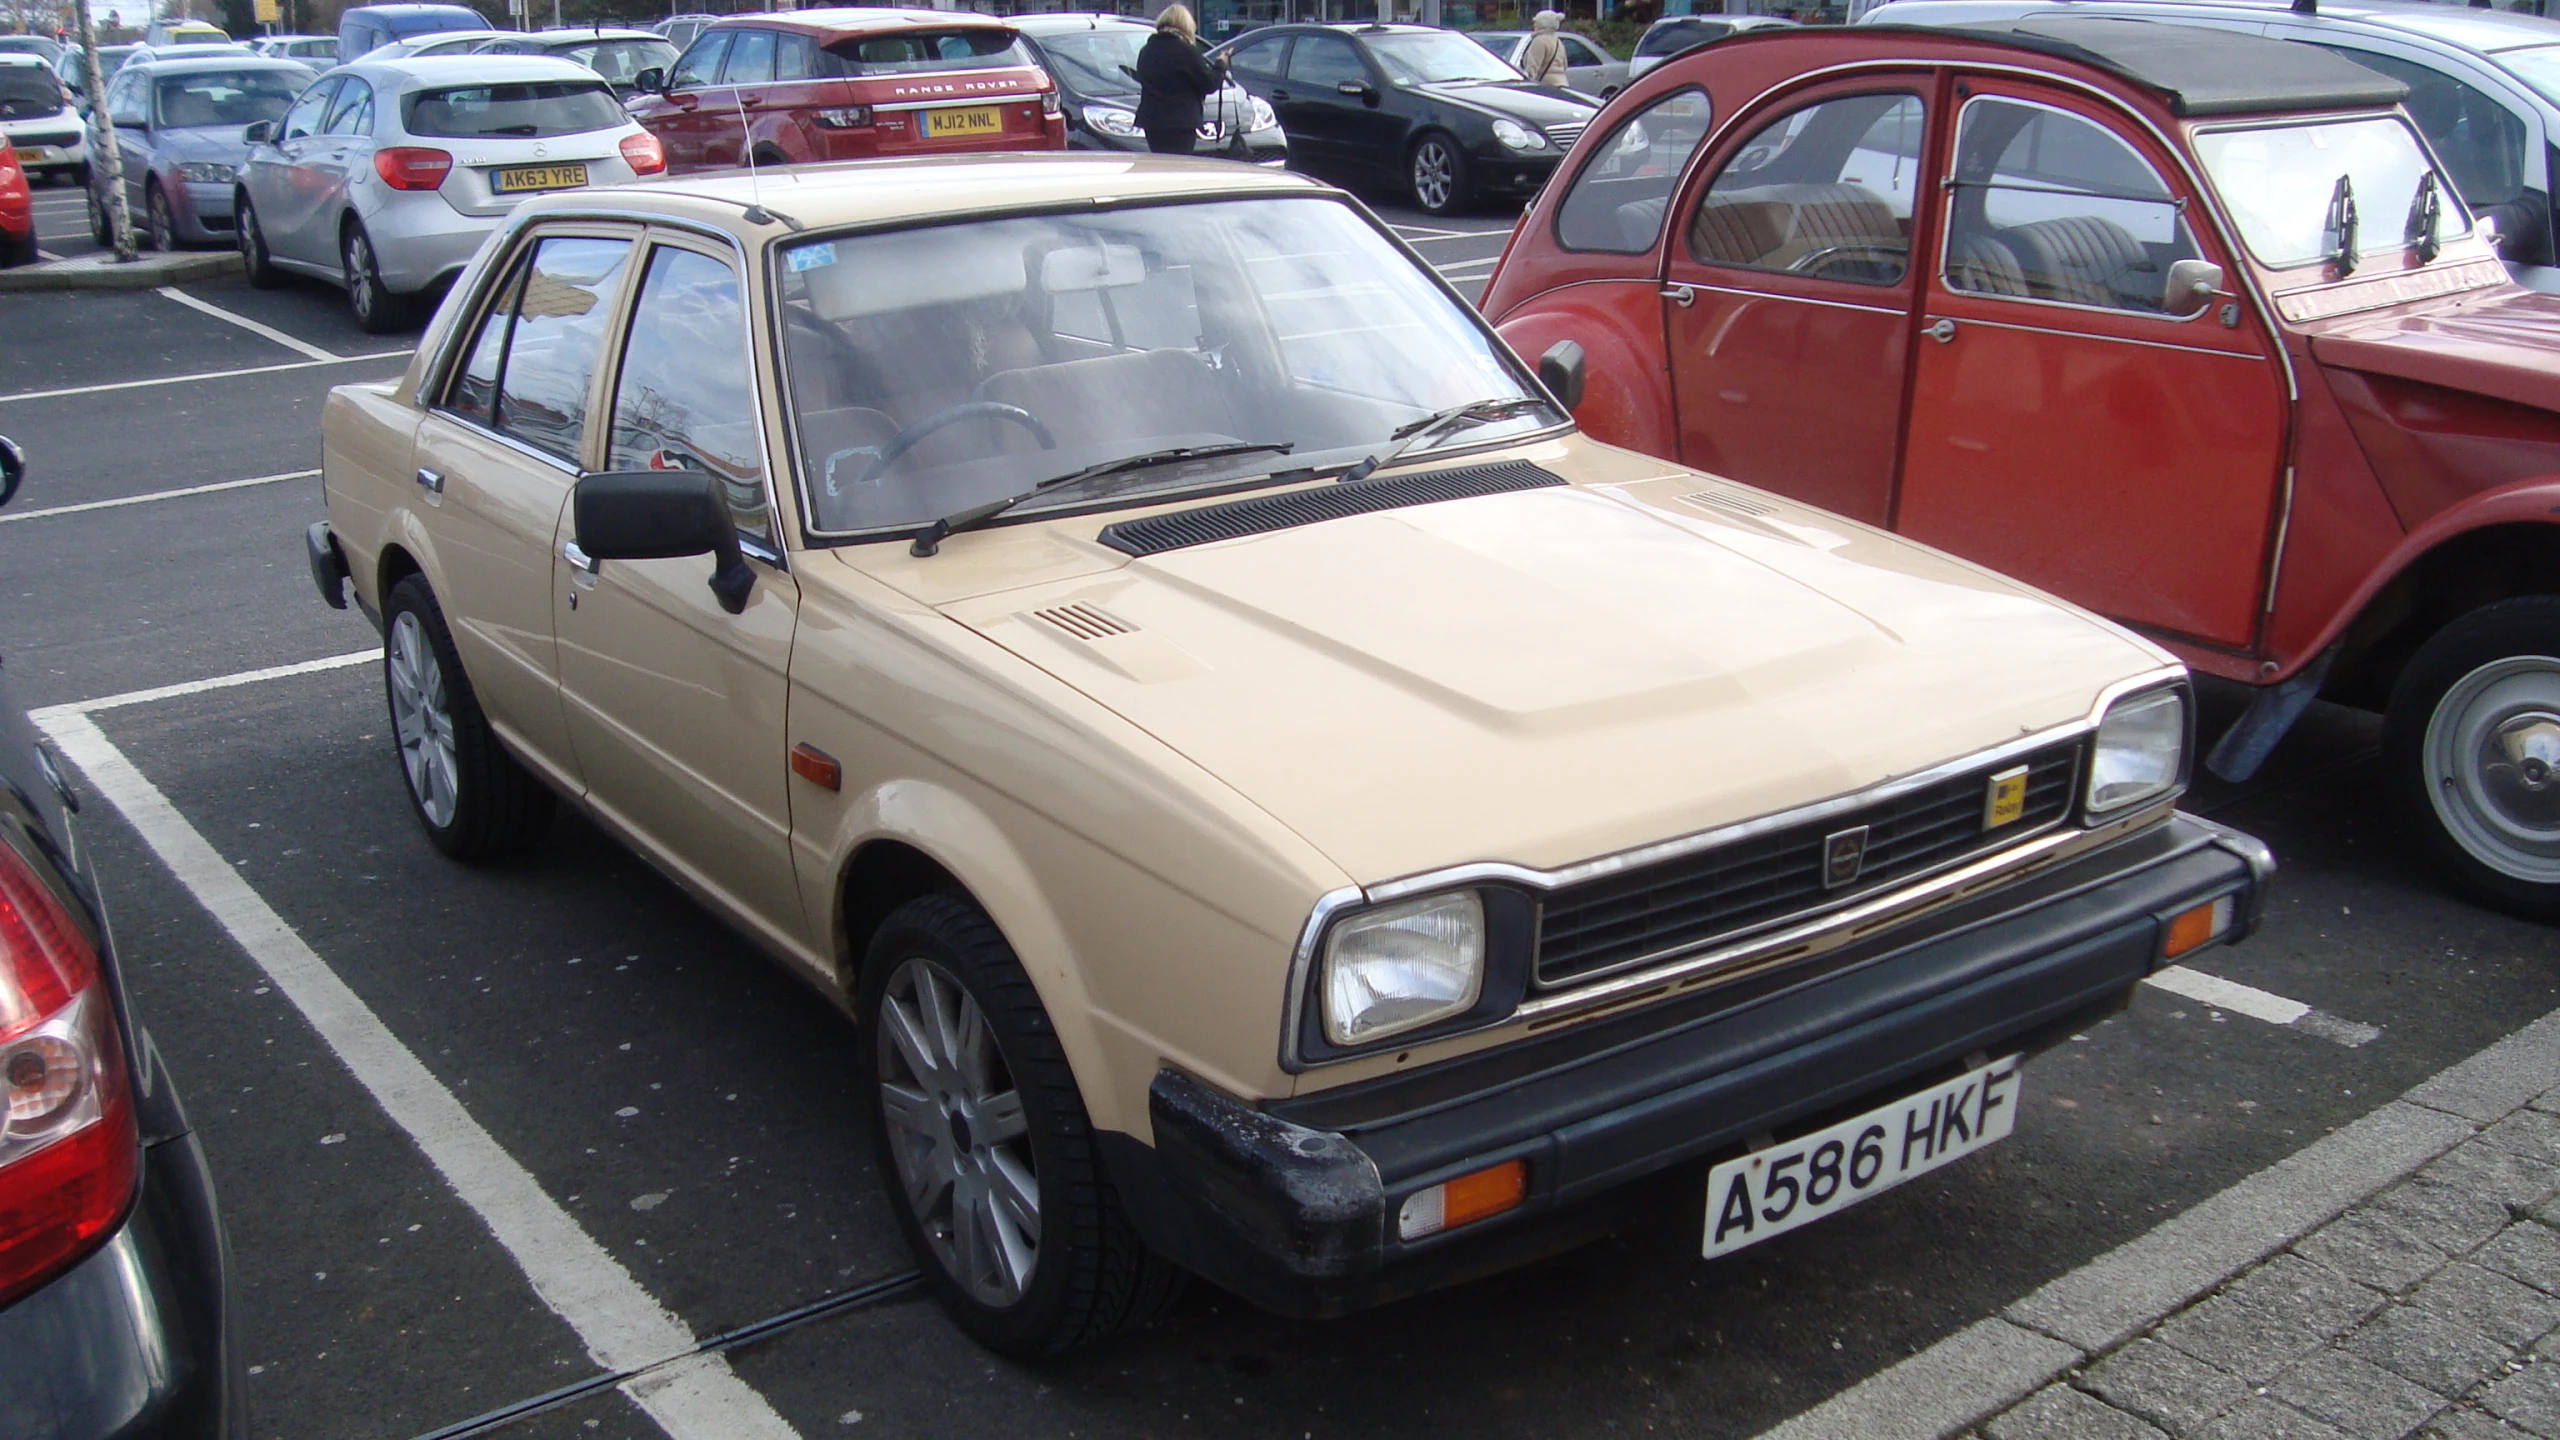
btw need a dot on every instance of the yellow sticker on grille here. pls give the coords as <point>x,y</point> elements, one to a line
<point>2007,798</point>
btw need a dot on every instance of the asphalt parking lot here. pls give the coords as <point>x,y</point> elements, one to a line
<point>688,1106</point>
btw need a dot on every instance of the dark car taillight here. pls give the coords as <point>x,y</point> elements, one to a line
<point>70,1155</point>
<point>412,167</point>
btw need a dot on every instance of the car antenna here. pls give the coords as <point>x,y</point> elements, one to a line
<point>756,214</point>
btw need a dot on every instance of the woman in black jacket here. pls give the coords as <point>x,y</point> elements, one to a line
<point>1173,79</point>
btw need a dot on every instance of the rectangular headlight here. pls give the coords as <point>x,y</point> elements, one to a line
<point>1400,967</point>
<point>2140,751</point>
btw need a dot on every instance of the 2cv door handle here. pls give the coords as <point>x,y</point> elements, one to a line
<point>1942,330</point>
<point>1681,295</point>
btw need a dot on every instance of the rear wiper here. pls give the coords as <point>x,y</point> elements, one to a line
<point>514,130</point>
<point>2342,221</point>
<point>930,538</point>
<point>2426,213</point>
<point>1414,432</point>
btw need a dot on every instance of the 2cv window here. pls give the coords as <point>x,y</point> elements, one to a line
<point>1824,190</point>
<point>1616,203</point>
<point>2048,205</point>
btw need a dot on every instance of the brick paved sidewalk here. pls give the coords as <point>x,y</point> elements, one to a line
<point>2430,1309</point>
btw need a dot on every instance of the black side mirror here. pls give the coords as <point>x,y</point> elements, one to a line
<point>13,469</point>
<point>259,133</point>
<point>1560,370</point>
<point>653,80</point>
<point>663,515</point>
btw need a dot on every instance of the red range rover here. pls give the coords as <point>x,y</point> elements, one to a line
<point>798,86</point>
<point>2182,325</point>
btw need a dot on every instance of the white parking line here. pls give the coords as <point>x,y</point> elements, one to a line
<point>1454,266</point>
<point>71,390</point>
<point>263,332</point>
<point>156,495</point>
<point>622,1326</point>
<point>2259,1004</point>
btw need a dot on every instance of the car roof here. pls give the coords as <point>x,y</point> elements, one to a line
<point>851,20</point>
<point>22,57</point>
<point>190,64</point>
<point>2197,71</point>
<point>1068,22</point>
<point>463,69</point>
<point>570,34</point>
<point>953,187</point>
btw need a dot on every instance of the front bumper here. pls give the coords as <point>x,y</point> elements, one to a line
<point>135,1339</point>
<point>1503,171</point>
<point>1287,1203</point>
<point>203,211</point>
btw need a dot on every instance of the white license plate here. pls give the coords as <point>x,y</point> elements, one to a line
<point>1775,1190</point>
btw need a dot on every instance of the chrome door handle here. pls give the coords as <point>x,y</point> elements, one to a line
<point>579,560</point>
<point>1942,332</point>
<point>431,481</point>
<point>1680,295</point>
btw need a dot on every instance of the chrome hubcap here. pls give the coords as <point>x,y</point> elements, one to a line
<point>1432,175</point>
<point>420,719</point>
<point>2492,760</point>
<point>957,1133</point>
<point>360,273</point>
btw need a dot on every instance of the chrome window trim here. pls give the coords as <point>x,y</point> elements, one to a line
<point>1947,184</point>
<point>1811,933</point>
<point>1964,320</point>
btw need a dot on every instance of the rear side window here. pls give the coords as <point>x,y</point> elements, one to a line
<point>1617,202</point>
<point>530,365</point>
<point>914,50</point>
<point>524,111</point>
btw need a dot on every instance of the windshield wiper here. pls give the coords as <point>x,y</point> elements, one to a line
<point>2426,213</point>
<point>2342,220</point>
<point>1414,432</point>
<point>930,538</point>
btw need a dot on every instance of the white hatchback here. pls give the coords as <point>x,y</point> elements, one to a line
<point>386,175</point>
<point>37,121</point>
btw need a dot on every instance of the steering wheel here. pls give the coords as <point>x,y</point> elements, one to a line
<point>907,439</point>
<point>1896,253</point>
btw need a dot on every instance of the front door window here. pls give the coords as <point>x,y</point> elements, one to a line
<point>2047,205</point>
<point>1824,191</point>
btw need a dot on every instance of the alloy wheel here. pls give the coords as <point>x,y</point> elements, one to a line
<point>359,266</point>
<point>2492,765</point>
<point>423,719</point>
<point>957,1133</point>
<point>164,226</point>
<point>1434,175</point>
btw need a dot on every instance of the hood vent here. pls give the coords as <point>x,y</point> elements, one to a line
<point>1084,622</point>
<point>1178,529</point>
<point>1732,502</point>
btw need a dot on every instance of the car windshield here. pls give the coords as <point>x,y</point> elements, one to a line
<point>908,51</point>
<point>945,367</point>
<point>2279,182</point>
<point>1092,59</point>
<point>1436,58</point>
<point>28,91</point>
<point>526,111</point>
<point>228,97</point>
<point>2537,66</point>
<point>620,60</point>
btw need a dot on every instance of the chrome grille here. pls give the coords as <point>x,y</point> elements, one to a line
<point>1564,135</point>
<point>1686,903</point>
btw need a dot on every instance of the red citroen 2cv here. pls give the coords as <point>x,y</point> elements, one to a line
<point>2182,325</point>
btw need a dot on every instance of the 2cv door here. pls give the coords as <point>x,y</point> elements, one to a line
<point>2072,422</point>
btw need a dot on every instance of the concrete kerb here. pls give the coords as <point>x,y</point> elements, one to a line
<point>2073,1320</point>
<point>148,271</point>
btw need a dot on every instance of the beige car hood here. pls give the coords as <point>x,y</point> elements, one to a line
<point>1548,675</point>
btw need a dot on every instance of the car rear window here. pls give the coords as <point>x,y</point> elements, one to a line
<point>912,50</point>
<point>228,97</point>
<point>524,111</point>
<point>1672,39</point>
<point>28,91</point>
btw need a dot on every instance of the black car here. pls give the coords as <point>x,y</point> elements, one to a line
<point>1091,57</point>
<point>112,1312</point>
<point>1427,109</point>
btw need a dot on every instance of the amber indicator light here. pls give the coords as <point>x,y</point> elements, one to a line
<point>2193,929</point>
<point>816,766</point>
<point>1465,1200</point>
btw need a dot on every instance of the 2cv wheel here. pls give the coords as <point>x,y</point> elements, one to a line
<point>984,1144</point>
<point>475,801</point>
<point>2472,740</point>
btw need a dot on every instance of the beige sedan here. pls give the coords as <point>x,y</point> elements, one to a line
<point>1279,804</point>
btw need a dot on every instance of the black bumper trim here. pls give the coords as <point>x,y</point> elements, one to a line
<point>328,567</point>
<point>1287,1204</point>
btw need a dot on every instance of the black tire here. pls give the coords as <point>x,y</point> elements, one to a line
<point>2472,746</point>
<point>159,226</point>
<point>377,311</point>
<point>257,263</point>
<point>1436,172</point>
<point>14,253</point>
<point>101,228</point>
<point>478,804</point>
<point>1091,1276</point>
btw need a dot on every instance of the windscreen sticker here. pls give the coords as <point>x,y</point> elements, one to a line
<point>813,257</point>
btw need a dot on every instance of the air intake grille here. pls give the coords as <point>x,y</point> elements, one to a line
<point>1732,502</point>
<point>1565,135</point>
<point>1154,534</point>
<point>1620,920</point>
<point>1083,621</point>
